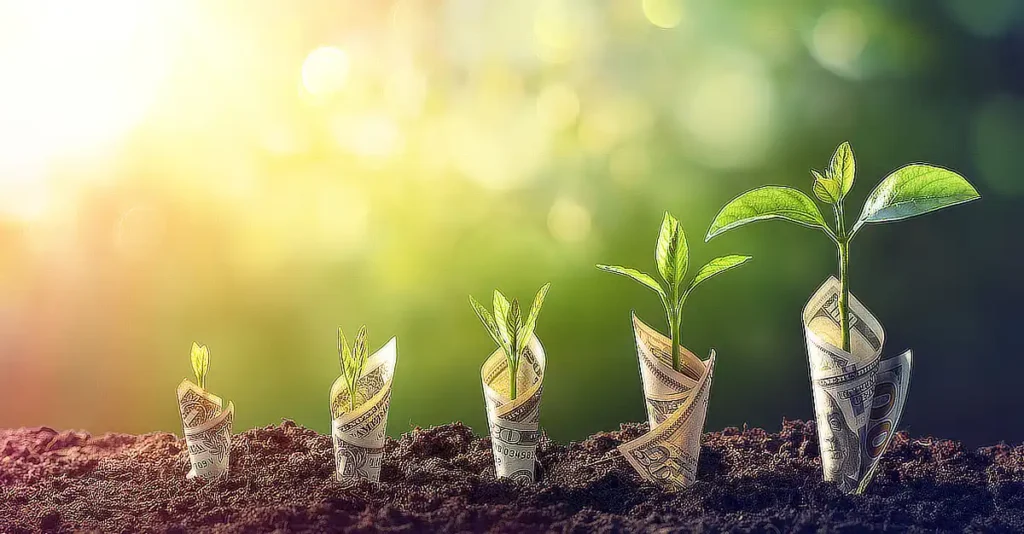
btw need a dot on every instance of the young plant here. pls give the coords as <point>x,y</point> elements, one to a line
<point>672,257</point>
<point>200,363</point>
<point>352,360</point>
<point>508,328</point>
<point>911,190</point>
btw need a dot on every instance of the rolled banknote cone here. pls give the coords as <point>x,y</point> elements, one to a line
<point>359,434</point>
<point>677,402</point>
<point>514,424</point>
<point>858,395</point>
<point>207,430</point>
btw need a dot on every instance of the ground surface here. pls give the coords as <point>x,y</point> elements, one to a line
<point>442,479</point>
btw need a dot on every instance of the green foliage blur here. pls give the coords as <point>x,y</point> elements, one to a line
<point>269,195</point>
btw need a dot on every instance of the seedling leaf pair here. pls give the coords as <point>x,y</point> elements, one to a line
<point>352,361</point>
<point>672,259</point>
<point>200,356</point>
<point>909,191</point>
<point>509,329</point>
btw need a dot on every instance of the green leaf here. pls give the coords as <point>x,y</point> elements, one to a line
<point>915,190</point>
<point>769,202</point>
<point>716,266</point>
<point>344,353</point>
<point>827,190</point>
<point>671,254</point>
<point>200,356</point>
<point>487,319</point>
<point>641,277</point>
<point>531,319</point>
<point>502,307</point>
<point>842,169</point>
<point>359,353</point>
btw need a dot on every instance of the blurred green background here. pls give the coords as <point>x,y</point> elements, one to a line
<point>251,175</point>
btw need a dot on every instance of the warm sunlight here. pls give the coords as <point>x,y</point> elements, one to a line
<point>76,76</point>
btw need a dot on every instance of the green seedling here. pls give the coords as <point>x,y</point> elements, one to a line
<point>508,328</point>
<point>672,257</point>
<point>911,190</point>
<point>200,363</point>
<point>352,360</point>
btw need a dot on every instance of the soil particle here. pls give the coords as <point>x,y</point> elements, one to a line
<point>442,479</point>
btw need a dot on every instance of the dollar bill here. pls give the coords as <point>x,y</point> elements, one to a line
<point>677,403</point>
<point>858,395</point>
<point>207,427</point>
<point>514,424</point>
<point>359,434</point>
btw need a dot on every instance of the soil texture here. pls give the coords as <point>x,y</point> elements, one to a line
<point>442,480</point>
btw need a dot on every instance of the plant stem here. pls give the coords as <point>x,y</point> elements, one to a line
<point>513,371</point>
<point>673,327</point>
<point>844,292</point>
<point>843,242</point>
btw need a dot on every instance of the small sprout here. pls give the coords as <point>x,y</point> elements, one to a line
<point>200,363</point>
<point>509,329</point>
<point>672,258</point>
<point>909,191</point>
<point>352,360</point>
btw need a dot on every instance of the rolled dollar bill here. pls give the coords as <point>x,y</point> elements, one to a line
<point>207,429</point>
<point>359,434</point>
<point>514,424</point>
<point>677,402</point>
<point>858,395</point>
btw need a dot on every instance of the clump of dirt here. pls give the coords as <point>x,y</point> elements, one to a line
<point>442,479</point>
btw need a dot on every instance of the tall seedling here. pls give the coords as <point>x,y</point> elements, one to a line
<point>672,258</point>
<point>509,329</point>
<point>911,190</point>
<point>352,360</point>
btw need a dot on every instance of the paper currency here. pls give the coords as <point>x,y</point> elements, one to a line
<point>676,405</point>
<point>207,430</point>
<point>514,424</point>
<point>359,435</point>
<point>858,395</point>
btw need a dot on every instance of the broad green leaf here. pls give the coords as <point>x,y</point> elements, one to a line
<point>716,266</point>
<point>826,189</point>
<point>769,202</point>
<point>671,254</point>
<point>487,319</point>
<point>531,320</point>
<point>842,168</point>
<point>641,277</point>
<point>915,190</point>
<point>502,307</point>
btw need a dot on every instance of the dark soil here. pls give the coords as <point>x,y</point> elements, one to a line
<point>442,479</point>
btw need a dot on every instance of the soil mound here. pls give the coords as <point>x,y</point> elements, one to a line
<point>442,479</point>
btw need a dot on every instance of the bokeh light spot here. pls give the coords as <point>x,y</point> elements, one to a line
<point>325,71</point>
<point>838,39</point>
<point>664,13</point>
<point>558,32</point>
<point>558,106</point>
<point>568,221</point>
<point>728,112</point>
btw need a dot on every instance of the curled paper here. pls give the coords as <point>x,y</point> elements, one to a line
<point>677,402</point>
<point>514,424</point>
<point>207,430</point>
<point>858,395</point>
<point>359,435</point>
